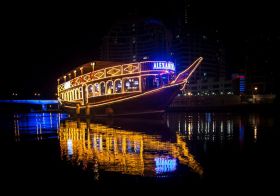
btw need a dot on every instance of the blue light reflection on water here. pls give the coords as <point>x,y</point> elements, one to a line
<point>70,147</point>
<point>34,102</point>
<point>37,123</point>
<point>165,164</point>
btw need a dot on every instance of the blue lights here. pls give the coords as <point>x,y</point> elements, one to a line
<point>208,117</point>
<point>164,65</point>
<point>165,164</point>
<point>38,123</point>
<point>241,133</point>
<point>242,84</point>
<point>36,102</point>
<point>153,21</point>
<point>44,107</point>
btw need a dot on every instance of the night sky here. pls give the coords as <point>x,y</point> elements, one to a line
<point>40,42</point>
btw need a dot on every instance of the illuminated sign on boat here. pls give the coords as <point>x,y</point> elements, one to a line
<point>164,65</point>
<point>67,85</point>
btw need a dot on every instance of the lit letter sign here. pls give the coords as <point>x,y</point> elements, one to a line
<point>164,65</point>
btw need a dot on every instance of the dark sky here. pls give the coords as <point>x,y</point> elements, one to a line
<point>42,41</point>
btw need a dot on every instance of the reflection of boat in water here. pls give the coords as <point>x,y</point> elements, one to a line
<point>158,125</point>
<point>116,89</point>
<point>36,125</point>
<point>101,148</point>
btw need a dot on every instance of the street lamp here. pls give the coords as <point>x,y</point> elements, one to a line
<point>255,89</point>
<point>254,94</point>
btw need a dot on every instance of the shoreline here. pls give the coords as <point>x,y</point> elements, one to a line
<point>260,107</point>
<point>268,107</point>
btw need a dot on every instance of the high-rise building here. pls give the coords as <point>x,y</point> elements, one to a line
<point>136,39</point>
<point>191,43</point>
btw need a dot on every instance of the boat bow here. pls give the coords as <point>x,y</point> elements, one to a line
<point>183,77</point>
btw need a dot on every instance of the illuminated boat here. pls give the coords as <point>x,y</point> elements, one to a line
<point>103,88</point>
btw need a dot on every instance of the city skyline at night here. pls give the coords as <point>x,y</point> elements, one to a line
<point>41,44</point>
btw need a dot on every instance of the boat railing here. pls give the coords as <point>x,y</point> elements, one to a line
<point>184,75</point>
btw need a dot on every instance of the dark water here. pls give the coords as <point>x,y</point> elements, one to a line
<point>188,152</point>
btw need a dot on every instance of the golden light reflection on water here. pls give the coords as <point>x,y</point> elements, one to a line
<point>101,148</point>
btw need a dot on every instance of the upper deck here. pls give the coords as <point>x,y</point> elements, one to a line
<point>103,70</point>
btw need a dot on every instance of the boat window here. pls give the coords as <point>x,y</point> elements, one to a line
<point>165,79</point>
<point>102,88</point>
<point>157,81</point>
<point>71,96</point>
<point>81,93</point>
<point>77,93</point>
<point>150,82</point>
<point>131,84</point>
<point>118,86</point>
<point>96,89</point>
<point>74,94</point>
<point>90,90</point>
<point>109,87</point>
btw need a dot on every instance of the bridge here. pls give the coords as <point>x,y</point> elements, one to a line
<point>43,103</point>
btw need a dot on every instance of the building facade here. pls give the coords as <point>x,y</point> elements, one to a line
<point>210,77</point>
<point>137,39</point>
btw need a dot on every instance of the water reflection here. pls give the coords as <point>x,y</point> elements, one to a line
<point>254,121</point>
<point>102,148</point>
<point>192,150</point>
<point>176,145</point>
<point>214,126</point>
<point>37,124</point>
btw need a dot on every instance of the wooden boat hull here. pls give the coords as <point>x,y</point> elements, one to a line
<point>154,102</point>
